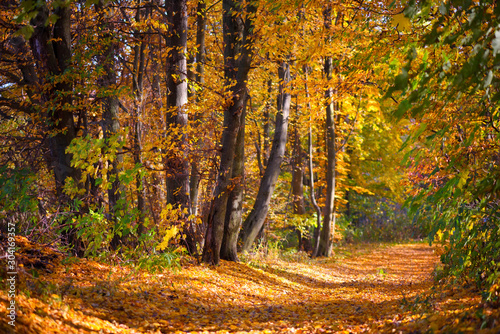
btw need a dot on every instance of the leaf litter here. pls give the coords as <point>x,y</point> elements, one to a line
<point>365,288</point>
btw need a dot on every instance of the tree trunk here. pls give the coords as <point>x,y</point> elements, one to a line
<point>297,175</point>
<point>53,53</point>
<point>178,170</point>
<point>312,191</point>
<point>234,209</point>
<point>238,50</point>
<point>312,196</point>
<point>110,119</point>
<point>137,88</point>
<point>51,49</point>
<point>176,118</point>
<point>328,229</point>
<point>297,183</point>
<point>255,219</point>
<point>157,187</point>
<point>194,181</point>
<point>267,126</point>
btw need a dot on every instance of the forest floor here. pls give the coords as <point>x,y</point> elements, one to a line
<point>363,288</point>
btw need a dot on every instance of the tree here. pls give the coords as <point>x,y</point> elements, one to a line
<point>298,180</point>
<point>255,220</point>
<point>45,65</point>
<point>177,97</point>
<point>234,210</point>
<point>138,73</point>
<point>328,228</point>
<point>194,182</point>
<point>110,116</point>
<point>177,163</point>
<point>312,188</point>
<point>238,28</point>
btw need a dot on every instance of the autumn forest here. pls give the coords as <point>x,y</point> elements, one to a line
<point>267,166</point>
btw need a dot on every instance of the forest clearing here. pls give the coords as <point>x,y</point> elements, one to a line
<point>374,288</point>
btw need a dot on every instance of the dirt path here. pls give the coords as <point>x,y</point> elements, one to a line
<point>361,290</point>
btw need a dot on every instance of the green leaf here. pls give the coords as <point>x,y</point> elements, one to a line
<point>25,31</point>
<point>98,181</point>
<point>401,81</point>
<point>52,19</point>
<point>403,107</point>
<point>420,130</point>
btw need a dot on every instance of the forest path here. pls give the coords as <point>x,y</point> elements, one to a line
<point>367,288</point>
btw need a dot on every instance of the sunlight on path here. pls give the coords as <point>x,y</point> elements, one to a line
<point>363,290</point>
<point>360,292</point>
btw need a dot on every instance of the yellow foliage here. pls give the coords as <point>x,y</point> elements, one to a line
<point>169,234</point>
<point>401,22</point>
<point>463,179</point>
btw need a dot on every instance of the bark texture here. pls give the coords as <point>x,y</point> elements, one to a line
<point>110,118</point>
<point>326,236</point>
<point>177,164</point>
<point>200,78</point>
<point>53,58</point>
<point>138,83</point>
<point>234,209</point>
<point>298,183</point>
<point>51,50</point>
<point>312,190</point>
<point>257,216</point>
<point>238,50</point>
<point>176,118</point>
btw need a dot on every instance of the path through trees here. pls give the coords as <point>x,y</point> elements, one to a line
<point>369,288</point>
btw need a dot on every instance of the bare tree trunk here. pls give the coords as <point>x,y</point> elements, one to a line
<point>110,119</point>
<point>267,125</point>
<point>156,196</point>
<point>177,162</point>
<point>137,88</point>
<point>238,50</point>
<point>297,182</point>
<point>312,191</point>
<point>176,118</point>
<point>200,78</point>
<point>51,49</point>
<point>312,196</point>
<point>297,177</point>
<point>257,216</point>
<point>234,209</point>
<point>328,229</point>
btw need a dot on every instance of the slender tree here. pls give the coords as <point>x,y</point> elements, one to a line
<point>310,165</point>
<point>328,228</point>
<point>234,210</point>
<point>298,179</point>
<point>255,220</point>
<point>50,46</point>
<point>138,73</point>
<point>177,86</point>
<point>237,20</point>
<point>110,117</point>
<point>177,163</point>
<point>267,123</point>
<point>200,79</point>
